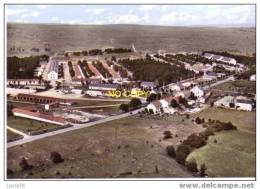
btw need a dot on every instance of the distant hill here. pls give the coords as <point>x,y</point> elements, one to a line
<point>28,39</point>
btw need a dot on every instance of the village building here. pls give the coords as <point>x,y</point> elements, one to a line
<point>41,99</point>
<point>175,87</point>
<point>94,93</point>
<point>23,82</point>
<point>32,113</point>
<point>244,104</point>
<point>197,91</point>
<point>208,76</point>
<point>103,86</point>
<point>253,77</point>
<point>53,70</point>
<point>154,106</point>
<point>148,85</point>
<point>163,105</point>
<point>220,58</point>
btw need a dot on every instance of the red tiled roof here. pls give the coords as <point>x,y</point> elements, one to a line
<point>42,97</point>
<point>156,103</point>
<point>34,113</point>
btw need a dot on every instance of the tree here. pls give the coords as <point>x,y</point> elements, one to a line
<point>124,107</point>
<point>151,97</point>
<point>231,105</point>
<point>151,111</point>
<point>113,58</point>
<point>135,103</point>
<point>183,101</point>
<point>9,110</point>
<point>192,96</point>
<point>202,171</point>
<point>24,164</point>
<point>171,151</point>
<point>192,166</point>
<point>181,153</point>
<point>174,103</point>
<point>167,134</point>
<point>56,157</point>
<point>198,120</point>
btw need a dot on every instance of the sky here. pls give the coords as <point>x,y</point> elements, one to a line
<point>167,15</point>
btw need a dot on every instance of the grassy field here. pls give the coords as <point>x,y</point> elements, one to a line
<point>11,136</point>
<point>129,147</point>
<point>27,125</point>
<point>234,154</point>
<point>94,103</point>
<point>174,39</point>
<point>238,86</point>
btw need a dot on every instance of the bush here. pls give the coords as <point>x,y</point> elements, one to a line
<point>167,134</point>
<point>181,153</point>
<point>171,151</point>
<point>231,105</point>
<point>174,103</point>
<point>151,111</point>
<point>124,107</point>
<point>192,166</point>
<point>56,157</point>
<point>198,120</point>
<point>24,164</point>
<point>203,169</point>
<point>9,171</point>
<point>228,126</point>
<point>195,141</point>
<point>135,103</point>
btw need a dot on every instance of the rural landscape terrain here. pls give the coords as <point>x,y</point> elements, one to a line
<point>130,101</point>
<point>58,38</point>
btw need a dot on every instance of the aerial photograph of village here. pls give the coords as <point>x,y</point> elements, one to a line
<point>130,91</point>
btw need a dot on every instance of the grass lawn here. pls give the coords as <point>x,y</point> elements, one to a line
<point>26,125</point>
<point>106,150</point>
<point>239,85</point>
<point>94,103</point>
<point>234,154</point>
<point>11,136</point>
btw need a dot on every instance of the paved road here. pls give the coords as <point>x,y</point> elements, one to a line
<point>81,107</point>
<point>230,78</point>
<point>45,135</point>
<point>17,131</point>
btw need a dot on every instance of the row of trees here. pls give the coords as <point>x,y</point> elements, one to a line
<point>121,71</point>
<point>85,69</point>
<point>94,52</point>
<point>102,70</point>
<point>151,70</point>
<point>71,70</point>
<point>132,105</point>
<point>117,50</point>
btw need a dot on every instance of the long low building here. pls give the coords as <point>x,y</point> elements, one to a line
<point>220,58</point>
<point>41,99</point>
<point>23,82</point>
<point>31,113</point>
<point>103,86</point>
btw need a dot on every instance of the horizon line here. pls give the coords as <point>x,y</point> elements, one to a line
<point>86,24</point>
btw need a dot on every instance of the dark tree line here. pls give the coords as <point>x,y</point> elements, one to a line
<point>23,68</point>
<point>102,70</point>
<point>117,50</point>
<point>122,71</point>
<point>151,70</point>
<point>71,70</point>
